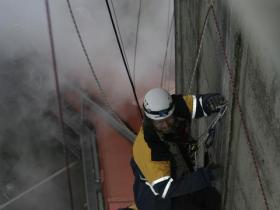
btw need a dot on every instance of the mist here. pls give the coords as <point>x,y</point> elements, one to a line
<point>29,150</point>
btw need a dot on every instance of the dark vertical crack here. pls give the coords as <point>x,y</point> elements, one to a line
<point>238,51</point>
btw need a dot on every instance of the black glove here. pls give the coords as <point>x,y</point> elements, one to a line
<point>214,102</point>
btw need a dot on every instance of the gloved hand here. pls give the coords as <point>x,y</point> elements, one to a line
<point>214,102</point>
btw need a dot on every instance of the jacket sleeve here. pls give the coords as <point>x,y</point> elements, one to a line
<point>198,105</point>
<point>169,188</point>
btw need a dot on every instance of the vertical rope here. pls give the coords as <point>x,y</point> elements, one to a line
<point>101,90</point>
<point>125,63</point>
<point>166,49</point>
<point>243,121</point>
<point>234,93</point>
<point>199,49</point>
<point>136,42</point>
<point>58,93</point>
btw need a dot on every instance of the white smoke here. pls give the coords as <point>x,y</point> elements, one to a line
<point>27,79</point>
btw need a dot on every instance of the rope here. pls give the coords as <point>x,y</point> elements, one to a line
<point>166,49</point>
<point>168,17</point>
<point>125,63</point>
<point>101,90</point>
<point>202,137</point>
<point>235,95</point>
<point>170,64</point>
<point>136,40</point>
<point>167,82</point>
<point>199,49</point>
<point>58,93</point>
<point>86,54</point>
<point>119,31</point>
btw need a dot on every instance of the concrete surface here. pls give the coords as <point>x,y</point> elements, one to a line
<point>251,38</point>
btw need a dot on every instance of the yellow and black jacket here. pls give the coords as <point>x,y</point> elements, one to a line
<point>156,177</point>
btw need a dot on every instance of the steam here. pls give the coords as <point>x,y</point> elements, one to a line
<point>28,152</point>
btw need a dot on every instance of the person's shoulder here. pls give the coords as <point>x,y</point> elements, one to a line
<point>140,133</point>
<point>139,138</point>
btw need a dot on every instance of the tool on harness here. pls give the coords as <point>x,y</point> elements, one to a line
<point>211,130</point>
<point>208,136</point>
<point>206,139</point>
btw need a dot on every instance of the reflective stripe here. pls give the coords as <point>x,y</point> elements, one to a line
<point>143,179</point>
<point>152,188</point>
<point>194,107</point>
<point>160,180</point>
<point>167,188</point>
<point>200,101</point>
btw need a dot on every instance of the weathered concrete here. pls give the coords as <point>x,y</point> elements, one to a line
<point>251,38</point>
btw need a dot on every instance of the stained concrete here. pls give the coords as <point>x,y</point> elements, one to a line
<point>250,36</point>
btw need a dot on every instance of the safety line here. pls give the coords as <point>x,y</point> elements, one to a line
<point>167,34</point>
<point>199,49</point>
<point>235,95</point>
<point>166,49</point>
<point>86,55</point>
<point>119,32</point>
<point>122,49</point>
<point>168,17</point>
<point>170,62</point>
<point>59,101</point>
<point>101,90</point>
<point>136,42</point>
<point>125,63</point>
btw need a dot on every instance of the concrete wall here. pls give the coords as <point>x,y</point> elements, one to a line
<point>250,35</point>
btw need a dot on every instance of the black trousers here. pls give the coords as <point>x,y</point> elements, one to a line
<point>206,199</point>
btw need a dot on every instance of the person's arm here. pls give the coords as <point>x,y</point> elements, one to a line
<point>195,181</point>
<point>205,104</point>
<point>157,174</point>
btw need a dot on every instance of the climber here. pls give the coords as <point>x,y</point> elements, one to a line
<point>165,178</point>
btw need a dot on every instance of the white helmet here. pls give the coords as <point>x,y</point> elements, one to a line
<point>158,104</point>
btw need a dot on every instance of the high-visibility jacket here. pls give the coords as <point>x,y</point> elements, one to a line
<point>154,185</point>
